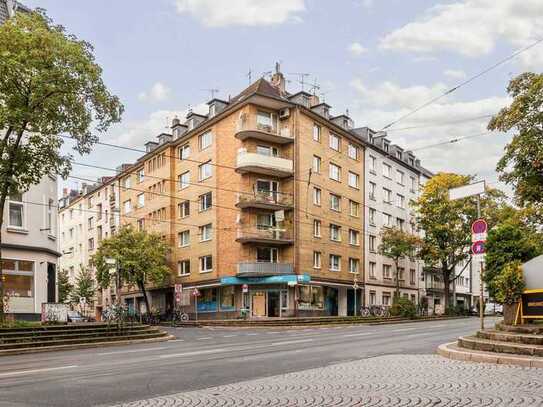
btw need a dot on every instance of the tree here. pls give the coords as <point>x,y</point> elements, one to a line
<point>64,286</point>
<point>509,285</point>
<point>522,164</point>
<point>447,224</point>
<point>397,244</point>
<point>83,287</point>
<point>50,85</point>
<point>510,241</point>
<point>140,257</point>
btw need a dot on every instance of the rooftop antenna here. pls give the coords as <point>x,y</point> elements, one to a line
<point>347,112</point>
<point>314,87</point>
<point>167,122</point>
<point>250,76</point>
<point>267,73</point>
<point>302,76</point>
<point>212,92</point>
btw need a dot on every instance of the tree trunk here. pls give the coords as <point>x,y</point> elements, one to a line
<point>397,292</point>
<point>141,284</point>
<point>446,287</point>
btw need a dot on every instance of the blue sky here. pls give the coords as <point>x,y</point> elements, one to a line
<point>379,59</point>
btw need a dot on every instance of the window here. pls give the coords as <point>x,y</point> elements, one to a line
<point>265,221</point>
<point>386,170</point>
<point>354,265</point>
<point>212,110</point>
<point>316,164</point>
<point>386,299</point>
<point>206,232</point>
<point>141,200</point>
<point>334,142</point>
<point>205,140</point>
<point>400,223</point>
<point>335,232</point>
<point>399,177</point>
<point>184,152</point>
<point>387,220</point>
<point>227,298</point>
<point>204,171</point>
<point>127,206</point>
<point>352,151</point>
<point>207,301</point>
<point>353,180</point>
<point>267,150</point>
<point>98,211</point>
<point>184,238</point>
<point>205,201</point>
<point>354,208</point>
<point>316,133</point>
<point>141,175</point>
<point>49,225</point>
<point>71,233</point>
<point>316,228</point>
<point>401,272</point>
<point>265,121</point>
<point>16,211</point>
<point>413,185</point>
<point>91,243</point>
<point>371,216</point>
<point>372,164</point>
<point>372,298</point>
<point>398,155</point>
<point>372,270</point>
<point>387,196</point>
<point>317,196</point>
<point>335,202</point>
<point>386,270</point>
<point>127,182</point>
<point>311,297</point>
<point>412,276</point>
<point>335,262</point>
<point>184,180</point>
<point>371,242</point>
<point>267,255</point>
<point>141,224</point>
<point>183,268</point>
<point>413,298</point>
<point>371,190</point>
<point>206,264</point>
<point>400,201</point>
<point>18,278</point>
<point>317,260</point>
<point>184,209</point>
<point>335,172</point>
<point>354,237</point>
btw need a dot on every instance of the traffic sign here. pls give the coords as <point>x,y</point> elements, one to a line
<point>177,298</point>
<point>245,288</point>
<point>195,292</point>
<point>479,226</point>
<point>478,247</point>
<point>178,288</point>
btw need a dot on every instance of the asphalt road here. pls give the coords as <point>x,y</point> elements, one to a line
<point>203,357</point>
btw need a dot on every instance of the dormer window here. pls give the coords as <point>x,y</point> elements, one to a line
<point>399,155</point>
<point>212,110</point>
<point>191,124</point>
<point>411,161</point>
<point>385,146</point>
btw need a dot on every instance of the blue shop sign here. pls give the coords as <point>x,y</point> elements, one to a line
<point>289,278</point>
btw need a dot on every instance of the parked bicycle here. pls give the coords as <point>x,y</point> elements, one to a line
<point>379,311</point>
<point>179,316</point>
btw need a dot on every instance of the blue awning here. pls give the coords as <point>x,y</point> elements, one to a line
<point>287,278</point>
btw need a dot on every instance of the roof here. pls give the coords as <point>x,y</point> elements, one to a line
<point>260,87</point>
<point>217,100</point>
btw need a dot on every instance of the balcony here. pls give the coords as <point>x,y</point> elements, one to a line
<point>435,286</point>
<point>250,128</point>
<point>264,164</point>
<point>265,200</point>
<point>264,269</point>
<point>275,237</point>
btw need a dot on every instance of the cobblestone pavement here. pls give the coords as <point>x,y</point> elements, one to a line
<point>394,380</point>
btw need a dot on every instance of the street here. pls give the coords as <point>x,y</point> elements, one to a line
<point>201,358</point>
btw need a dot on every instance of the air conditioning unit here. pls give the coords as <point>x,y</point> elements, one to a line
<point>284,113</point>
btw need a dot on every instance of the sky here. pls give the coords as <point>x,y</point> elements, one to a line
<point>378,59</point>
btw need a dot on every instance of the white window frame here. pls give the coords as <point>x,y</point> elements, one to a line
<point>141,200</point>
<point>317,196</point>
<point>317,260</point>
<point>332,265</point>
<point>182,212</point>
<point>317,228</point>
<point>22,207</point>
<point>356,235</point>
<point>317,133</point>
<point>337,199</point>
<point>184,238</point>
<point>203,263</point>
<point>203,201</point>
<point>184,152</point>
<point>335,233</point>
<point>184,183</point>
<point>334,142</point>
<point>354,208</point>
<point>356,262</point>
<point>387,169</point>
<point>354,180</point>
<point>206,232</point>
<point>317,164</point>
<point>205,171</point>
<point>181,269</point>
<point>353,151</point>
<point>334,171</point>
<point>205,140</point>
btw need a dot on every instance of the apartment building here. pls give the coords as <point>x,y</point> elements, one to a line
<point>393,178</point>
<point>261,201</point>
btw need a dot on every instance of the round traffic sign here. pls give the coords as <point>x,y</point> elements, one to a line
<point>195,292</point>
<point>479,226</point>
<point>478,247</point>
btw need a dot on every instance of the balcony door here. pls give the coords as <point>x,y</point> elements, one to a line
<point>268,188</point>
<point>266,121</point>
<point>267,150</point>
<point>265,221</point>
<point>267,255</point>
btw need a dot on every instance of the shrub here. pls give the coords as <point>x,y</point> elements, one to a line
<point>509,283</point>
<point>403,307</point>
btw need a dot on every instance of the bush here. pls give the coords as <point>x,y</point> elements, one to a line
<point>457,310</point>
<point>509,283</point>
<point>403,307</point>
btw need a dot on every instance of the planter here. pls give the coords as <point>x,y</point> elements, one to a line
<point>509,313</point>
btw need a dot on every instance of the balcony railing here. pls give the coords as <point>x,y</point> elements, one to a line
<point>265,200</point>
<point>249,127</point>
<point>264,269</point>
<point>264,164</point>
<point>274,236</point>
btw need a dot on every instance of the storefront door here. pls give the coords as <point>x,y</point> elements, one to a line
<point>258,304</point>
<point>273,303</point>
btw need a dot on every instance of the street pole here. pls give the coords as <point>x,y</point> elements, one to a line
<point>481,290</point>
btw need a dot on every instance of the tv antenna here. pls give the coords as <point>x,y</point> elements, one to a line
<point>302,76</point>
<point>250,75</point>
<point>314,87</point>
<point>212,92</point>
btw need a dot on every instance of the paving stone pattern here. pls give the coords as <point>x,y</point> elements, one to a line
<point>392,380</point>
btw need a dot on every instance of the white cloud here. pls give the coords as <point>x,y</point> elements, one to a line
<point>367,3</point>
<point>215,13</point>
<point>472,28</point>
<point>356,49</point>
<point>158,93</point>
<point>454,74</point>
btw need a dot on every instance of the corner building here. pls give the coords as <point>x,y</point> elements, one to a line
<point>261,201</point>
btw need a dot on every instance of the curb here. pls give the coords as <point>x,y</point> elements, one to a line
<point>452,351</point>
<point>84,346</point>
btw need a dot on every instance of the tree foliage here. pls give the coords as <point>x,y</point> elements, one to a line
<point>509,284</point>
<point>64,286</point>
<point>50,85</point>
<point>84,287</point>
<point>522,164</point>
<point>140,258</point>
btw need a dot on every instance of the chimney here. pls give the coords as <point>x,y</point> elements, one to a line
<point>314,100</point>
<point>278,79</point>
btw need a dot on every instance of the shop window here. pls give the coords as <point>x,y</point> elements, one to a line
<point>227,298</point>
<point>18,278</point>
<point>207,301</point>
<point>311,297</point>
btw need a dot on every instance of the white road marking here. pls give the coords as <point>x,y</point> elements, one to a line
<point>252,334</point>
<point>414,335</point>
<point>403,329</point>
<point>204,338</point>
<point>273,332</point>
<point>131,351</point>
<point>360,334</point>
<point>197,352</point>
<point>229,336</point>
<point>176,340</point>
<point>437,326</point>
<point>49,369</point>
<point>290,342</point>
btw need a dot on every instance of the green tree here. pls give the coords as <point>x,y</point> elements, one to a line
<point>447,224</point>
<point>140,258</point>
<point>84,286</point>
<point>396,245</point>
<point>50,85</point>
<point>64,286</point>
<point>507,242</point>
<point>509,285</point>
<point>522,164</point>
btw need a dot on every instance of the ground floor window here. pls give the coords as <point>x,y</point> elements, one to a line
<point>372,298</point>
<point>311,297</point>
<point>284,299</point>
<point>386,299</point>
<point>207,301</point>
<point>18,277</point>
<point>227,298</point>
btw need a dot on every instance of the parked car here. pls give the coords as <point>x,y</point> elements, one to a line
<point>492,308</point>
<point>75,316</point>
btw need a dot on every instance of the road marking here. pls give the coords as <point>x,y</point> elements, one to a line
<point>49,369</point>
<point>252,334</point>
<point>198,352</point>
<point>273,332</point>
<point>290,342</point>
<point>131,351</point>
<point>403,329</point>
<point>360,334</point>
<point>176,340</point>
<point>229,336</point>
<point>204,338</point>
<point>437,326</point>
<point>414,335</point>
